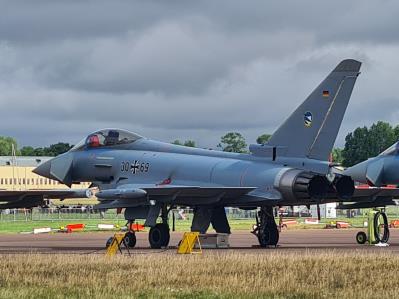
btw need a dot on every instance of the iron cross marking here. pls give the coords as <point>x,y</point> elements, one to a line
<point>134,167</point>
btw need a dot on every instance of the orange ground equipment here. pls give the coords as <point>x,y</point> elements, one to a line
<point>74,227</point>
<point>136,227</point>
<point>342,224</point>
<point>394,223</point>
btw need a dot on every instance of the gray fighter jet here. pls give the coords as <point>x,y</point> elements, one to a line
<point>380,178</point>
<point>378,171</point>
<point>14,199</point>
<point>147,178</point>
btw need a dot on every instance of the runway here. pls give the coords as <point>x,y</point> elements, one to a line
<point>290,240</point>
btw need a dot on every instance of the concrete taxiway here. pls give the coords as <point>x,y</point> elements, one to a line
<point>290,240</point>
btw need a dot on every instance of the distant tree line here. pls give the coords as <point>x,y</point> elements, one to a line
<point>231,142</point>
<point>360,144</point>
<point>53,150</point>
<point>6,144</point>
<point>364,143</point>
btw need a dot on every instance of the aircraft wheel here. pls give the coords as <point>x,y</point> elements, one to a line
<point>275,235</point>
<point>109,242</point>
<point>130,239</point>
<point>159,236</point>
<point>263,238</point>
<point>268,236</point>
<point>361,237</point>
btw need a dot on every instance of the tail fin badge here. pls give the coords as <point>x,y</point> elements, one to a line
<point>308,117</point>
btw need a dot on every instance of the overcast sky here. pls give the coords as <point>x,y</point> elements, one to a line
<point>187,69</point>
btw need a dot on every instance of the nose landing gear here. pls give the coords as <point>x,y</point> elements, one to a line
<point>129,239</point>
<point>266,228</point>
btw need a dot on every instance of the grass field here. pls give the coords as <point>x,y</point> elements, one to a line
<point>270,274</point>
<point>23,223</point>
<point>91,224</point>
<point>181,225</point>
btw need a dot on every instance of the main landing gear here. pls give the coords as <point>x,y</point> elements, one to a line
<point>159,235</point>
<point>266,228</point>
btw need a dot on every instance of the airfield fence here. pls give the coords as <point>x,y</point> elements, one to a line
<point>39,214</point>
<point>88,212</point>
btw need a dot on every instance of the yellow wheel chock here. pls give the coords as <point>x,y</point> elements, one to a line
<point>188,243</point>
<point>115,246</point>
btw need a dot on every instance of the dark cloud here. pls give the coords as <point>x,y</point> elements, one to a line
<point>183,69</point>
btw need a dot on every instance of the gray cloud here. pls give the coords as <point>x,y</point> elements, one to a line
<point>182,69</point>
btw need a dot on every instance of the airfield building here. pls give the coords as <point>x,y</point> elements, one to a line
<point>16,174</point>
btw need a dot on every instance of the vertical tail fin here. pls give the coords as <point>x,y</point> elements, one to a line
<point>312,128</point>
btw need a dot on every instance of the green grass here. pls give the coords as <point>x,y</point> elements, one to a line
<point>91,224</point>
<point>28,226</point>
<point>26,223</point>
<point>181,225</point>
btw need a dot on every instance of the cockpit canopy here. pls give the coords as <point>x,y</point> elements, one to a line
<point>106,138</point>
<point>392,150</point>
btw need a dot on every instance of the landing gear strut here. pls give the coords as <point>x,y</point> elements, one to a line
<point>159,235</point>
<point>266,228</point>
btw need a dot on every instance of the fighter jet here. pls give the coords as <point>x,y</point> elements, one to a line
<point>14,199</point>
<point>148,178</point>
<point>378,171</point>
<point>380,178</point>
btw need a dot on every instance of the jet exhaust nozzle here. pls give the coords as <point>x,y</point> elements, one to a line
<point>318,187</point>
<point>297,184</point>
<point>344,186</point>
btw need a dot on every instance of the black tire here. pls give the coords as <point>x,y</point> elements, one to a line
<point>384,237</point>
<point>159,236</point>
<point>361,237</point>
<point>130,239</point>
<point>109,242</point>
<point>275,236</point>
<point>268,236</point>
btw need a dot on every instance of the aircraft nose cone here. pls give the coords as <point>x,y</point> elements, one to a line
<point>43,169</point>
<point>358,172</point>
